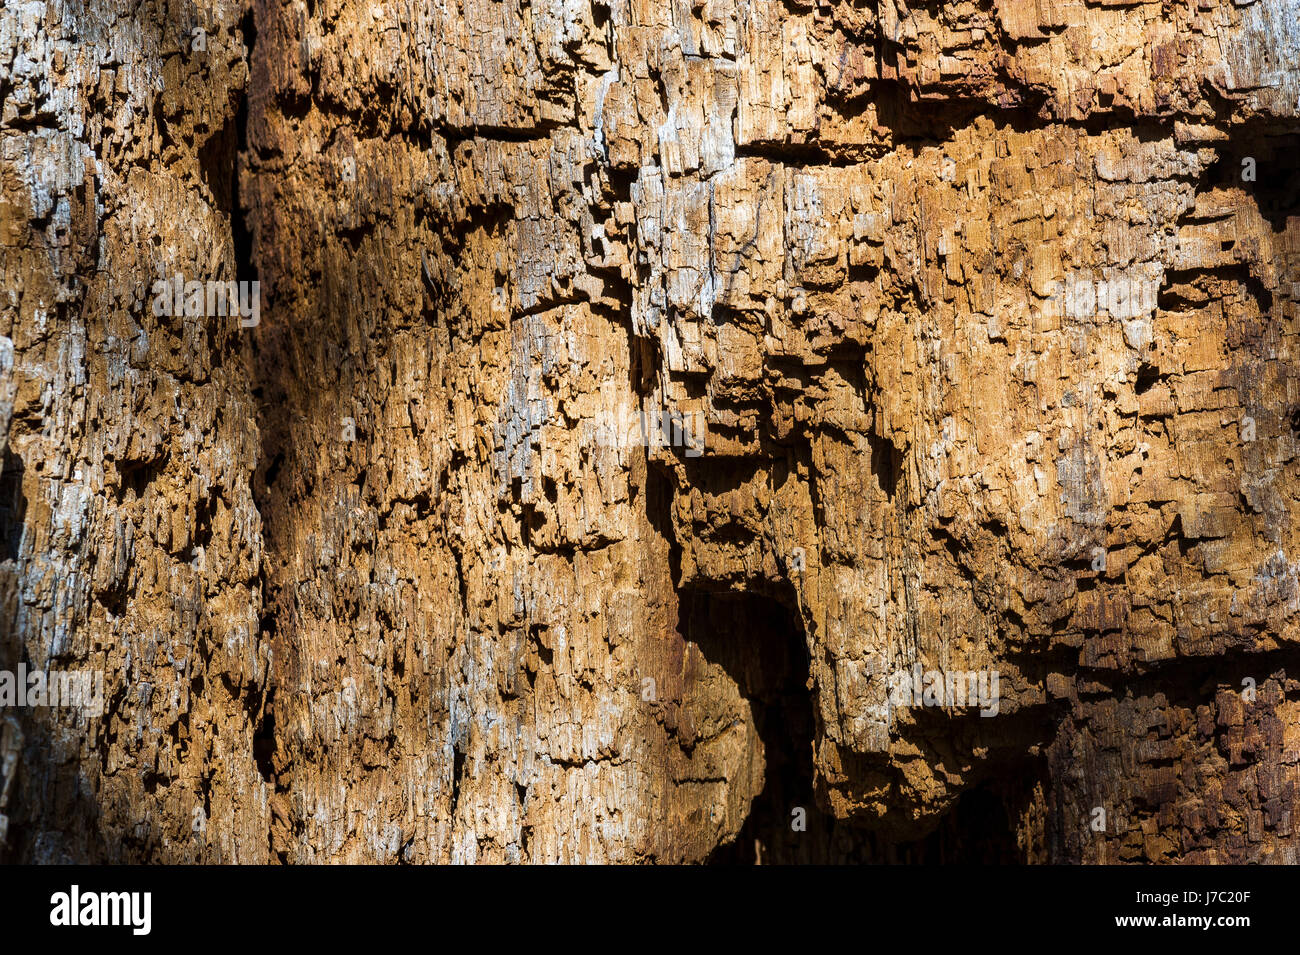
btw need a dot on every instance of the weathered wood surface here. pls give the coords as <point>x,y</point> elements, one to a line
<point>985,316</point>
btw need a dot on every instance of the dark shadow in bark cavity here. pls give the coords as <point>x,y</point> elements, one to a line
<point>977,831</point>
<point>759,641</point>
<point>13,506</point>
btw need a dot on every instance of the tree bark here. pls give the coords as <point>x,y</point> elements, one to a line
<point>651,405</point>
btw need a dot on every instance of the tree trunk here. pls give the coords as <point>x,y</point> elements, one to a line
<point>757,431</point>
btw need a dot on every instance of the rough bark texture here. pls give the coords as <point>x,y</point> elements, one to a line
<point>989,311</point>
<point>132,541</point>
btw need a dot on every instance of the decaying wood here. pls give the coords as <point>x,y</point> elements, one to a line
<point>966,336</point>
